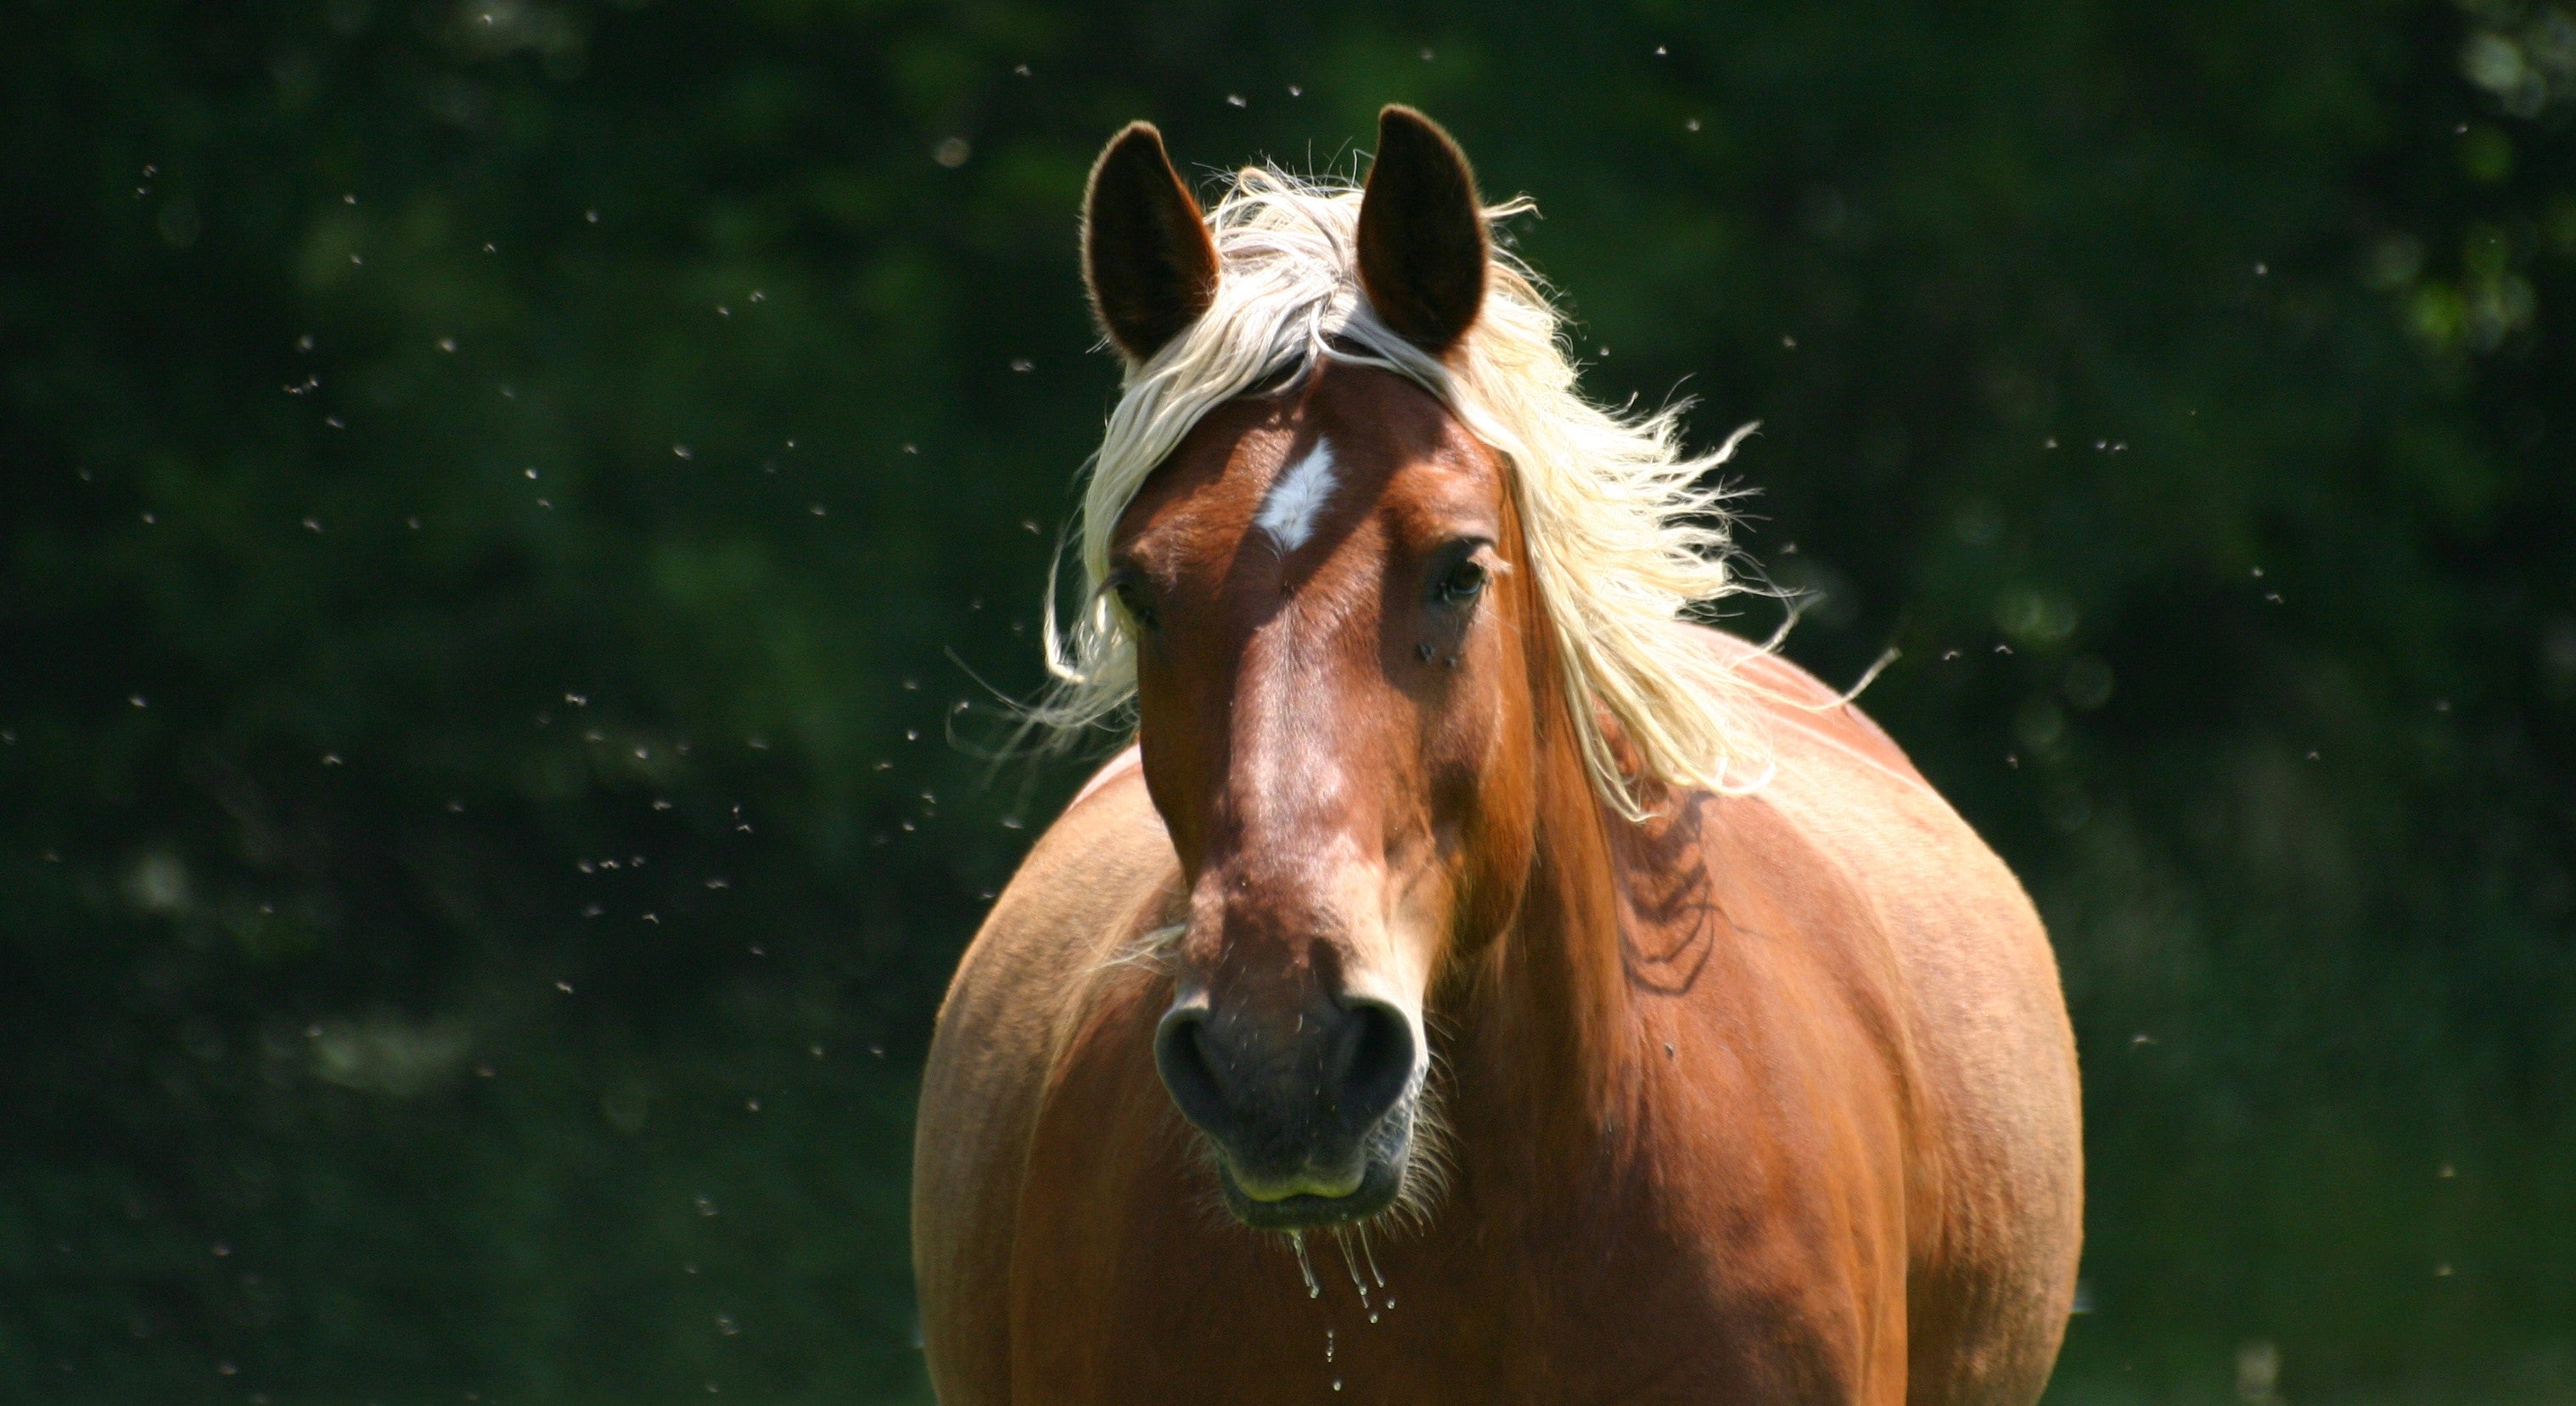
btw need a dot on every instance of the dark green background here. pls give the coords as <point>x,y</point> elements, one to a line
<point>450,447</point>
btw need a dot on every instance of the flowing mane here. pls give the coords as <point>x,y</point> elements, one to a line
<point>1624,534</point>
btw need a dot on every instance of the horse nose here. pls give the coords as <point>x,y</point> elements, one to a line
<point>1277,1100</point>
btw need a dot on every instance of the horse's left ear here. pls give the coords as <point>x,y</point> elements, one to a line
<point>1422,233</point>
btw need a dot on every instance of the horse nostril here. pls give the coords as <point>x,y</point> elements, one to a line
<point>1372,1063</point>
<point>1285,1097</point>
<point>1181,1057</point>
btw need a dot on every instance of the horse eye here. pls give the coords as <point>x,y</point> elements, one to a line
<point>1462,582</point>
<point>1139,606</point>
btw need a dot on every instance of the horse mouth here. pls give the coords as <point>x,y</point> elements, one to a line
<point>1381,1182</point>
<point>1307,1200</point>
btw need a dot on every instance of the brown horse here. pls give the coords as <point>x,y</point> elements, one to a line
<point>1477,985</point>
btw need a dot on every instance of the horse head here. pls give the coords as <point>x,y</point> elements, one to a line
<point>1336,675</point>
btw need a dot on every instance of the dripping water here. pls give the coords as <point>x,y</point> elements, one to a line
<point>1305,1266</point>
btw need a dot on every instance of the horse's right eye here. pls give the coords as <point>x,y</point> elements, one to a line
<point>1136,600</point>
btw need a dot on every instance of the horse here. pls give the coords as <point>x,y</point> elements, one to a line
<point>1477,982</point>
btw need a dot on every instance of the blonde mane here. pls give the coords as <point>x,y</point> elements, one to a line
<point>1624,536</point>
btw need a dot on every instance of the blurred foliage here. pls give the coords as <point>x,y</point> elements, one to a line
<point>510,504</point>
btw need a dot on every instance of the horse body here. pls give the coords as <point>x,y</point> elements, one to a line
<point>1416,1015</point>
<point>1835,1158</point>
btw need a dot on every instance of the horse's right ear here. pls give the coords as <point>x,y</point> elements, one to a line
<point>1146,255</point>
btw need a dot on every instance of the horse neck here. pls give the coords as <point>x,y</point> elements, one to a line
<point>1546,1026</point>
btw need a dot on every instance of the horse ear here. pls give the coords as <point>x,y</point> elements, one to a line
<point>1422,233</point>
<point>1146,255</point>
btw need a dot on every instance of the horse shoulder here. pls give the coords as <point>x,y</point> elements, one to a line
<point>1095,881</point>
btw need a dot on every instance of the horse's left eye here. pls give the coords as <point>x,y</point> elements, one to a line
<point>1462,582</point>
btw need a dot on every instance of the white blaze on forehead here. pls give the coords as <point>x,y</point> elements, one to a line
<point>1297,498</point>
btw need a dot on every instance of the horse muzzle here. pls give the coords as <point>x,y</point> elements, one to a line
<point>1312,1125</point>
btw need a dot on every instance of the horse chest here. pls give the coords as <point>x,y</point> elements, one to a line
<point>1131,1285</point>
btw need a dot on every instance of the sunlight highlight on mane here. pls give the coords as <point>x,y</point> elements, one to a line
<point>1624,534</point>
